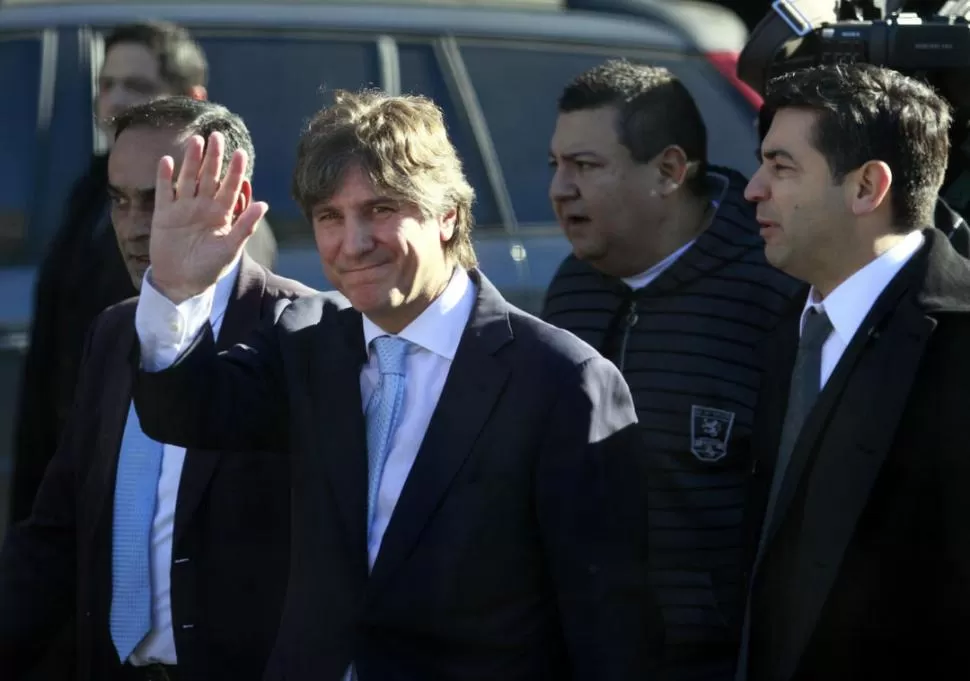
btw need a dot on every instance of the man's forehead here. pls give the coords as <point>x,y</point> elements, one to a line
<point>354,186</point>
<point>142,148</point>
<point>586,128</point>
<point>130,60</point>
<point>791,128</point>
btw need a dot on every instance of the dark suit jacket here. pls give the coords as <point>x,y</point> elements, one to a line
<point>82,274</point>
<point>231,543</point>
<point>866,570</point>
<point>516,550</point>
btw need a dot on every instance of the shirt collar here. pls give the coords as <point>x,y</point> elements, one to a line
<point>850,302</point>
<point>439,328</point>
<point>224,288</point>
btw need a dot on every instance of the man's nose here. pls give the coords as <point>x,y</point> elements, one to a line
<point>562,187</point>
<point>757,189</point>
<point>358,237</point>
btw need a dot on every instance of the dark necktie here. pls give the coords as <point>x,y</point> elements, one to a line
<point>806,382</point>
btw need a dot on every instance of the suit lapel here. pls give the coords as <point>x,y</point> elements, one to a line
<point>817,423</point>
<point>111,415</point>
<point>849,456</point>
<point>341,436</point>
<point>475,382</point>
<point>242,314</point>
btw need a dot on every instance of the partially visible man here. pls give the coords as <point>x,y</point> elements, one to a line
<point>82,273</point>
<point>668,280</point>
<point>862,566</point>
<point>467,492</point>
<point>174,565</point>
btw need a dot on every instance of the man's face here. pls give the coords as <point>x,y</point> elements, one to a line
<point>380,251</point>
<point>132,166</point>
<point>130,75</point>
<point>602,197</point>
<point>803,213</point>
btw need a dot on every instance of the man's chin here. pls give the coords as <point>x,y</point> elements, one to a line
<point>137,276</point>
<point>587,252</point>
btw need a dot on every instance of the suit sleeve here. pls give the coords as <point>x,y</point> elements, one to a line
<point>38,561</point>
<point>229,401</point>
<point>592,508</point>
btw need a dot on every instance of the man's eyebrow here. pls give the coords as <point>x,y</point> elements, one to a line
<point>772,154</point>
<point>570,155</point>
<point>147,193</point>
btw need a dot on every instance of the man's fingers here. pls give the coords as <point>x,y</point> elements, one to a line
<point>164,194</point>
<point>231,184</point>
<point>212,165</point>
<point>189,172</point>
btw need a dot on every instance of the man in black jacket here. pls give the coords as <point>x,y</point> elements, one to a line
<point>862,566</point>
<point>668,279</point>
<point>176,569</point>
<point>82,273</point>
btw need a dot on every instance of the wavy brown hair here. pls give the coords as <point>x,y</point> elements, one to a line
<point>401,144</point>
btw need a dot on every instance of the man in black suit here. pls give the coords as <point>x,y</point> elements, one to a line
<point>81,273</point>
<point>467,494</point>
<point>173,565</point>
<point>862,565</point>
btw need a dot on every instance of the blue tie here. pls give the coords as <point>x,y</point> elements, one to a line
<point>383,413</point>
<point>136,487</point>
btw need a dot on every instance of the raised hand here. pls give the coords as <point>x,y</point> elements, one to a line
<point>196,232</point>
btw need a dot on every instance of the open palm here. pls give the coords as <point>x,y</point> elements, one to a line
<point>196,232</point>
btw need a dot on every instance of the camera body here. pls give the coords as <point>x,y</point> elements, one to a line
<point>797,34</point>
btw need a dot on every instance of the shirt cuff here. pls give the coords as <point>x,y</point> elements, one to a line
<point>164,329</point>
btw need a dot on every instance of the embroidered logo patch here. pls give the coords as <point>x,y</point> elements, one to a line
<point>710,430</point>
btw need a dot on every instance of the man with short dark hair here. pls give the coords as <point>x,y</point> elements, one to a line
<point>467,495</point>
<point>668,280</point>
<point>173,564</point>
<point>862,561</point>
<point>82,274</point>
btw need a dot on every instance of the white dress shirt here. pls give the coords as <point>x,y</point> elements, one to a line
<point>850,302</point>
<point>165,329</point>
<point>159,645</point>
<point>638,281</point>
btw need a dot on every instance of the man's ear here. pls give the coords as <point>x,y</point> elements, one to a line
<point>245,198</point>
<point>673,168</point>
<point>869,187</point>
<point>447,225</point>
<point>198,92</point>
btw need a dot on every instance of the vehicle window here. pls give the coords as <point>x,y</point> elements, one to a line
<point>421,74</point>
<point>20,59</point>
<point>276,83</point>
<point>522,84</point>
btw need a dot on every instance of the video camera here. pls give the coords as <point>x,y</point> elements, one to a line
<point>931,44</point>
<point>801,33</point>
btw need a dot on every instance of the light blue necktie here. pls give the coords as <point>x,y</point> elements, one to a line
<point>383,413</point>
<point>136,488</point>
<point>383,416</point>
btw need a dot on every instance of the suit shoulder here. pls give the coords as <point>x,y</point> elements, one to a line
<point>307,310</point>
<point>116,315</point>
<point>560,347</point>
<point>282,287</point>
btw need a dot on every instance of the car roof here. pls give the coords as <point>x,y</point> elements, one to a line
<point>682,26</point>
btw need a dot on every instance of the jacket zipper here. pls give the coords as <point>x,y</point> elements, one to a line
<point>631,320</point>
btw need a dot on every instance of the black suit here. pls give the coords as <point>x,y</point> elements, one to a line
<point>231,534</point>
<point>865,573</point>
<point>516,550</point>
<point>82,273</point>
